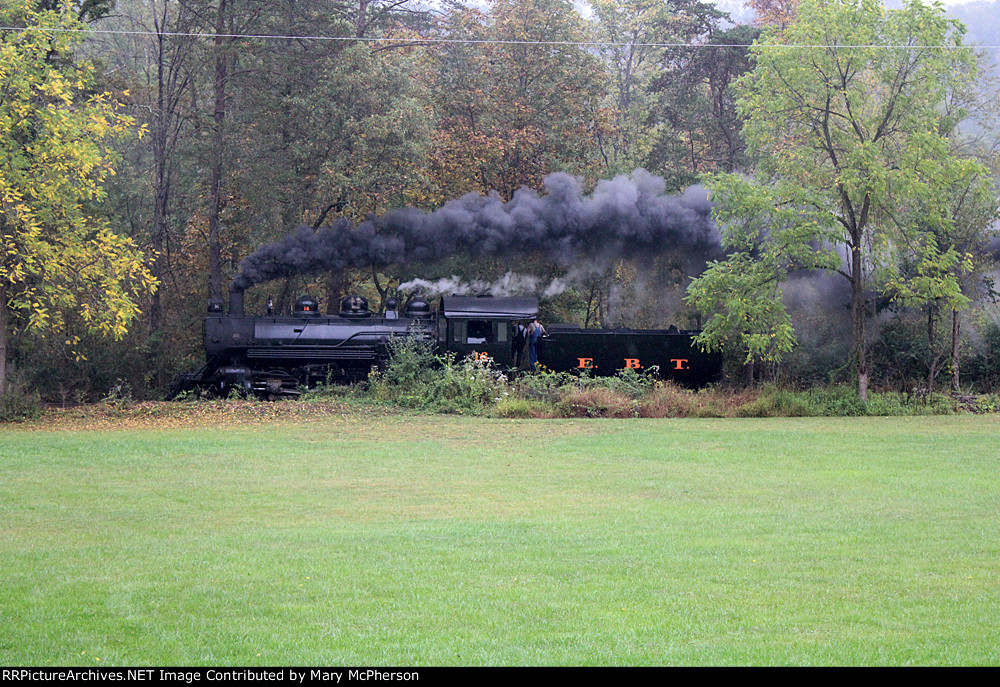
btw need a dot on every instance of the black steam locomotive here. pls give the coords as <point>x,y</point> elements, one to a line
<point>274,355</point>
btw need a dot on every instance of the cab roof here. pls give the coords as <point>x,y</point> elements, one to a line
<point>489,307</point>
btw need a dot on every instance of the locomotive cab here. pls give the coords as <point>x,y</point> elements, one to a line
<point>482,327</point>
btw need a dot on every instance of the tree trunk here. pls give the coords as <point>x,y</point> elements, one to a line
<point>590,304</point>
<point>932,372</point>
<point>161,192</point>
<point>382,291</point>
<point>859,345</point>
<point>361,19</point>
<point>215,186</point>
<point>336,288</point>
<point>956,325</point>
<point>3,338</point>
<point>283,304</point>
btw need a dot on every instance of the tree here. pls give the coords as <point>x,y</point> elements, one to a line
<point>632,34</point>
<point>86,10</point>
<point>344,118</point>
<point>159,89</point>
<point>774,12</point>
<point>57,261</point>
<point>325,129</point>
<point>524,104</point>
<point>701,128</point>
<point>940,262</point>
<point>843,111</point>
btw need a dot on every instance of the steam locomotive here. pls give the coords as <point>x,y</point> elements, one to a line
<point>275,355</point>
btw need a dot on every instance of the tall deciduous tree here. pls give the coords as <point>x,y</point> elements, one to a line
<point>326,129</point>
<point>843,112</point>
<point>55,257</point>
<point>651,75</point>
<point>695,103</point>
<point>517,102</point>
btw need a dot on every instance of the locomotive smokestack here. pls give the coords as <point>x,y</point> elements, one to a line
<point>235,301</point>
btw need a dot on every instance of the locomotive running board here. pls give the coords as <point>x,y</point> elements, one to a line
<point>311,354</point>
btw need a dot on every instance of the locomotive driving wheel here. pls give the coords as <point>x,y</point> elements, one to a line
<point>274,384</point>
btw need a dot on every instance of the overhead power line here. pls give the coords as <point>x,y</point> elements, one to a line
<point>471,41</point>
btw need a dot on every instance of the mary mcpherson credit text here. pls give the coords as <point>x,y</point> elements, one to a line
<point>292,675</point>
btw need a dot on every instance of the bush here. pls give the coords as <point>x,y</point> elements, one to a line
<point>982,367</point>
<point>988,403</point>
<point>774,402</point>
<point>548,386</point>
<point>467,384</point>
<point>416,377</point>
<point>19,403</point>
<point>841,401</point>
<point>633,384</point>
<point>412,360</point>
<point>669,400</point>
<point>597,402</point>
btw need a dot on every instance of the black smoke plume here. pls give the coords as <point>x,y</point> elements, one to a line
<point>628,216</point>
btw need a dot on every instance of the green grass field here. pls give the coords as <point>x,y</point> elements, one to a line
<point>369,539</point>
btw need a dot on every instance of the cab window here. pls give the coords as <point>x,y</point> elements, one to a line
<point>480,332</point>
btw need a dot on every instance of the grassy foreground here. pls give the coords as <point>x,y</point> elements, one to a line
<point>368,539</point>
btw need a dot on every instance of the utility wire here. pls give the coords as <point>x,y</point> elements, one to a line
<point>470,41</point>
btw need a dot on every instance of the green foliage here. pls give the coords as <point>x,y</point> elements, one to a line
<point>316,130</point>
<point>57,261</point>
<point>467,384</point>
<point>512,407</point>
<point>841,401</point>
<point>989,403</point>
<point>698,127</point>
<point>417,377</point>
<point>662,98</point>
<point>628,382</point>
<point>350,128</point>
<point>852,160</point>
<point>331,391</point>
<point>743,293</point>
<point>83,366</point>
<point>776,403</point>
<point>547,385</point>
<point>412,360</point>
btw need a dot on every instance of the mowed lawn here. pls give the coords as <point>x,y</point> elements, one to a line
<point>425,540</point>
